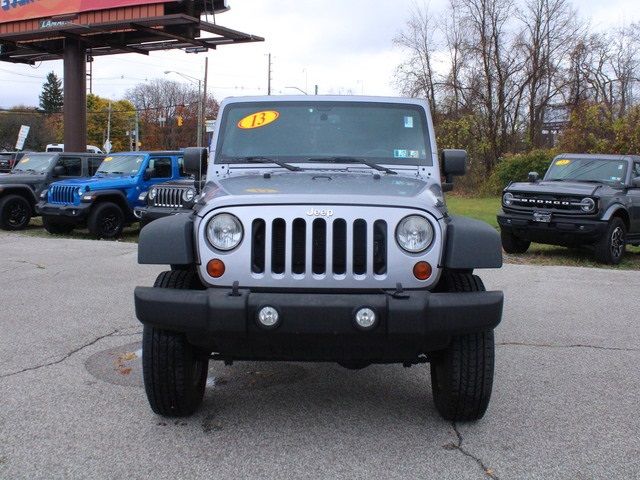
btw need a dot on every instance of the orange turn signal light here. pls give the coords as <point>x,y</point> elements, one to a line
<point>422,270</point>
<point>215,268</point>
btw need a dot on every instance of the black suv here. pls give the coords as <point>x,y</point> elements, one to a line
<point>20,189</point>
<point>583,200</point>
<point>176,196</point>
<point>8,160</point>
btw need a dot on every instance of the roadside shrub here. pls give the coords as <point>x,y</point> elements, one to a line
<point>515,168</point>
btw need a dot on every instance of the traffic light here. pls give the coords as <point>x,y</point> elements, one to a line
<point>179,120</point>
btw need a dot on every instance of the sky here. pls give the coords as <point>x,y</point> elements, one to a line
<point>341,46</point>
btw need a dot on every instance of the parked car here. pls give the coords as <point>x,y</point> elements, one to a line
<point>105,202</point>
<point>322,234</point>
<point>59,147</point>
<point>583,200</point>
<point>169,198</point>
<point>9,159</point>
<point>21,188</point>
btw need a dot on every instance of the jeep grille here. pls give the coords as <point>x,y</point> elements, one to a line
<point>554,203</point>
<point>168,197</point>
<point>62,193</point>
<point>319,246</point>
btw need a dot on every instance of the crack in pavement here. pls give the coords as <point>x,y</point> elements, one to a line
<point>65,357</point>
<point>575,345</point>
<point>26,262</point>
<point>488,472</point>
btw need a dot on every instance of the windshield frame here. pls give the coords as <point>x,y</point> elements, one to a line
<point>623,161</point>
<point>51,156</point>
<point>101,172</point>
<point>301,159</point>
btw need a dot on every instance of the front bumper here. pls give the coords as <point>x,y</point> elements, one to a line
<point>561,230</point>
<point>71,213</point>
<point>319,326</point>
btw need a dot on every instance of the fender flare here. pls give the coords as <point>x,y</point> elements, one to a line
<point>612,210</point>
<point>471,244</point>
<point>167,241</point>
<point>18,188</point>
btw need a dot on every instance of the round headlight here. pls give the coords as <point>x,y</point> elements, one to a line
<point>142,197</point>
<point>507,199</point>
<point>224,231</point>
<point>414,233</point>
<point>188,195</point>
<point>152,193</point>
<point>587,204</point>
<point>80,191</point>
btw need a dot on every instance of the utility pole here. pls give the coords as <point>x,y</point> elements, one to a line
<point>204,99</point>
<point>269,76</point>
<point>316,90</point>
<point>137,147</point>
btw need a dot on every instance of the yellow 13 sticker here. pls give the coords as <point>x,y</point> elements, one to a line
<point>562,162</point>
<point>258,119</point>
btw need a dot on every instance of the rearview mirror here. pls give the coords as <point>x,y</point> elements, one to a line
<point>58,171</point>
<point>533,177</point>
<point>195,161</point>
<point>454,163</point>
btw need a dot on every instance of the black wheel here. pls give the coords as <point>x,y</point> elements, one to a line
<point>174,371</point>
<point>106,220</point>
<point>611,247</point>
<point>462,374</point>
<point>15,212</point>
<point>56,227</point>
<point>513,244</point>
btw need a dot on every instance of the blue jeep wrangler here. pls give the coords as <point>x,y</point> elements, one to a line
<point>105,202</point>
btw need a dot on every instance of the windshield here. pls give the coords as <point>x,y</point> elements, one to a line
<point>34,163</point>
<point>121,165</point>
<point>381,133</point>
<point>587,170</point>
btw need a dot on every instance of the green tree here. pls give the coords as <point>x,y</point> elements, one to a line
<point>51,98</point>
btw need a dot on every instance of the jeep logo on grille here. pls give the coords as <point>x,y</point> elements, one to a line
<point>314,212</point>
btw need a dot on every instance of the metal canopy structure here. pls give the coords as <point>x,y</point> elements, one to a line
<point>75,30</point>
<point>176,31</point>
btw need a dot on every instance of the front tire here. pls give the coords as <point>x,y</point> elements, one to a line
<point>174,371</point>
<point>512,244</point>
<point>56,227</point>
<point>462,374</point>
<point>106,220</point>
<point>15,212</point>
<point>611,247</point>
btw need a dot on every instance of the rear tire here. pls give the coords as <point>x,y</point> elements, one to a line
<point>56,227</point>
<point>513,244</point>
<point>174,371</point>
<point>462,374</point>
<point>15,212</point>
<point>106,220</point>
<point>611,247</point>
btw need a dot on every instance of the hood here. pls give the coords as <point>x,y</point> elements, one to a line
<point>561,188</point>
<point>13,178</point>
<point>317,188</point>
<point>100,183</point>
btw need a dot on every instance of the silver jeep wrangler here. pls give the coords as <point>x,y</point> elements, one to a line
<point>321,234</point>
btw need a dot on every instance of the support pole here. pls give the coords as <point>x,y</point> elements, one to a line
<point>75,96</point>
<point>204,101</point>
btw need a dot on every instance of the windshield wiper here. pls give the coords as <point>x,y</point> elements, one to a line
<point>258,159</point>
<point>369,164</point>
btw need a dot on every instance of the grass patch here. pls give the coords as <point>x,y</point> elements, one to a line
<point>486,209</point>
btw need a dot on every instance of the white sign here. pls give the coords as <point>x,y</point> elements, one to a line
<point>210,124</point>
<point>107,146</point>
<point>22,136</point>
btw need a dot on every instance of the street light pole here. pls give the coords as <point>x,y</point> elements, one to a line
<point>200,99</point>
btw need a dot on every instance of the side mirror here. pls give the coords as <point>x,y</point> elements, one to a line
<point>454,163</point>
<point>58,171</point>
<point>148,174</point>
<point>533,177</point>
<point>195,161</point>
<point>635,182</point>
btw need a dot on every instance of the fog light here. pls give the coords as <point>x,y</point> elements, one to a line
<point>268,317</point>
<point>422,270</point>
<point>366,318</point>
<point>215,268</point>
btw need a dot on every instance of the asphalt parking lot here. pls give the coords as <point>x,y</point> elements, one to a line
<point>565,402</point>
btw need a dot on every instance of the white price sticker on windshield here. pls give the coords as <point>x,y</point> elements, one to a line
<point>408,122</point>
